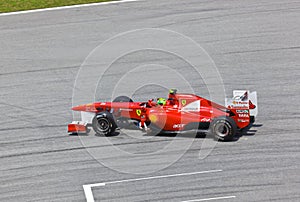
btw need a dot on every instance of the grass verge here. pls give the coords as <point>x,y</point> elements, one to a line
<point>21,5</point>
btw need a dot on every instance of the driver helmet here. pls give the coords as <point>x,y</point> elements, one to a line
<point>161,101</point>
<point>173,91</point>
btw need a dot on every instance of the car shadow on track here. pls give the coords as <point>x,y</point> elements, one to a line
<point>248,131</point>
<point>184,135</point>
<point>116,133</point>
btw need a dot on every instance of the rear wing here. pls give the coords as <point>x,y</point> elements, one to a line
<point>243,99</point>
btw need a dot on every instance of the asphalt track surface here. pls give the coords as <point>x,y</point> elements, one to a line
<point>254,44</point>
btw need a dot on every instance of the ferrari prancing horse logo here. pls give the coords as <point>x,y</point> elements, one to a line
<point>183,102</point>
<point>138,112</point>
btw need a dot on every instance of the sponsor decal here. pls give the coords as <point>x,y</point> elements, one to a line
<point>205,120</point>
<point>243,120</point>
<point>178,125</point>
<point>239,103</point>
<point>192,107</point>
<point>183,102</point>
<point>124,109</point>
<point>138,112</point>
<point>89,106</point>
<point>245,96</point>
<point>242,111</point>
<point>243,115</point>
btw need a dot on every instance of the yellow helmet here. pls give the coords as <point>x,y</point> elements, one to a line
<point>161,101</point>
<point>173,91</point>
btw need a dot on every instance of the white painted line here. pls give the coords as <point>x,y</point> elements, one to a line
<point>88,187</point>
<point>210,199</point>
<point>88,193</point>
<point>163,176</point>
<point>155,177</point>
<point>67,7</point>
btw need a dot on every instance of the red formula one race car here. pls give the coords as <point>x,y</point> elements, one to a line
<point>177,114</point>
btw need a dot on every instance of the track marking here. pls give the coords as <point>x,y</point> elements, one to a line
<point>210,199</point>
<point>88,187</point>
<point>67,7</point>
<point>88,193</point>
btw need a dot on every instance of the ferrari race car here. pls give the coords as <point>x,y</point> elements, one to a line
<point>178,113</point>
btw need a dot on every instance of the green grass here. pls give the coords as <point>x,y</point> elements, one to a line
<point>21,5</point>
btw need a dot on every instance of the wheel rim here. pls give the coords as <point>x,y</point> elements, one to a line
<point>103,124</point>
<point>222,129</point>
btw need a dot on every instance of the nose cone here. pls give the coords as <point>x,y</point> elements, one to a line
<point>79,108</point>
<point>76,108</point>
<point>87,107</point>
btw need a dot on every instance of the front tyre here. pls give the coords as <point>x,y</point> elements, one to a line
<point>104,124</point>
<point>223,128</point>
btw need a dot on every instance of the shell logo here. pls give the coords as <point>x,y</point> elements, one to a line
<point>153,118</point>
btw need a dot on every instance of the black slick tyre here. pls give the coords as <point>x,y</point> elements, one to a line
<point>104,124</point>
<point>223,128</point>
<point>252,119</point>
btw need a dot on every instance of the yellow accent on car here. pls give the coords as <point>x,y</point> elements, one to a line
<point>153,118</point>
<point>138,112</point>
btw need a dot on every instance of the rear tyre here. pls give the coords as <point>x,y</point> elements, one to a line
<point>223,128</point>
<point>104,124</point>
<point>252,119</point>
